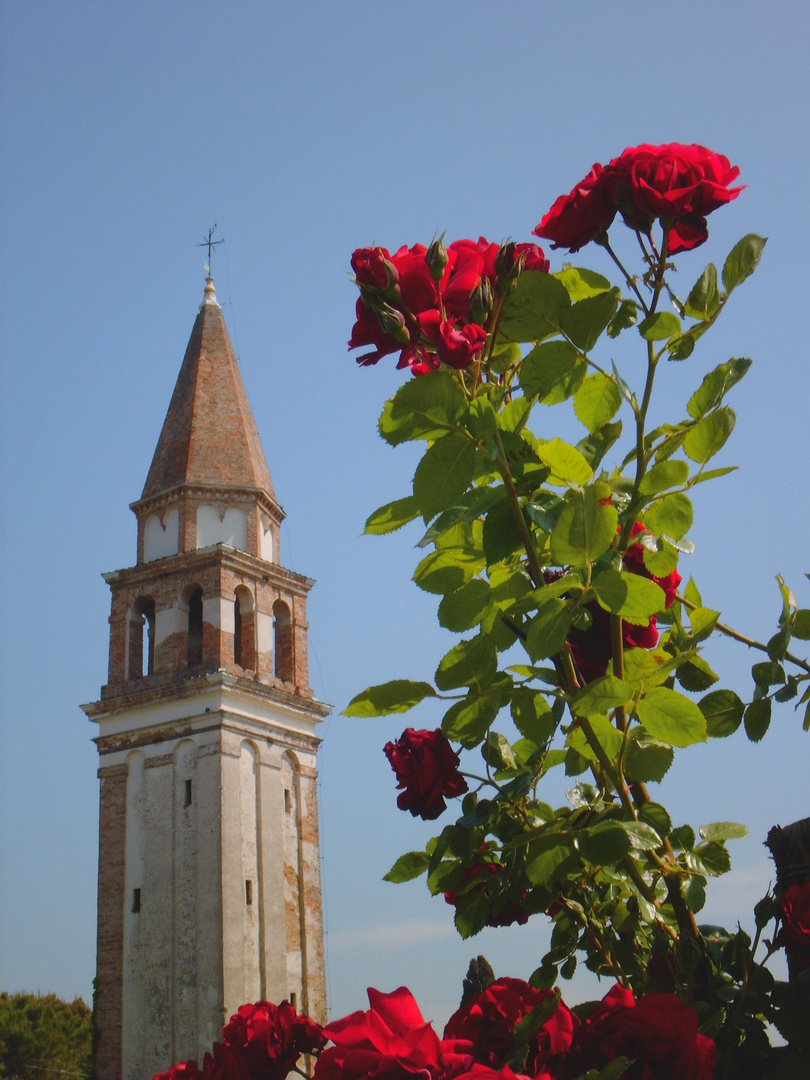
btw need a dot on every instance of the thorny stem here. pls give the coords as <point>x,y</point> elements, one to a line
<point>630,281</point>
<point>737,636</point>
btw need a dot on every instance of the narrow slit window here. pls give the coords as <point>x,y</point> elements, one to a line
<point>287,801</point>
<point>136,900</point>
<point>294,1001</point>
<point>187,793</point>
<point>248,891</point>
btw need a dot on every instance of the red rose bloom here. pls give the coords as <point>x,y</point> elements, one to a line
<point>794,933</point>
<point>426,767</point>
<point>683,183</point>
<point>373,267</point>
<point>271,1038</point>
<point>673,183</point>
<point>489,1019</point>
<point>659,1033</point>
<point>390,1040</point>
<point>185,1070</point>
<point>577,218</point>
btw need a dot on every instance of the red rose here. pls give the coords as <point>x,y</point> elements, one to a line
<point>373,266</point>
<point>671,182</point>
<point>489,1019</point>
<point>659,1033</point>
<point>391,1039</point>
<point>185,1070</point>
<point>367,331</point>
<point>426,767</point>
<point>577,218</point>
<point>794,933</point>
<point>533,257</point>
<point>271,1038</point>
<point>485,877</point>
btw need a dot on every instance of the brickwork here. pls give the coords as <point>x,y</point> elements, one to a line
<point>247,684</point>
<point>110,933</point>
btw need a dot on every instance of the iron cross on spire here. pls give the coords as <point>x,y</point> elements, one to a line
<point>210,243</point>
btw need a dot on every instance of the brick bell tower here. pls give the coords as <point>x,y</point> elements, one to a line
<point>209,889</point>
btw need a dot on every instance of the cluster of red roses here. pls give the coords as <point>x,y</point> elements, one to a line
<point>259,1042</point>
<point>431,305</point>
<point>391,1040</point>
<point>592,649</point>
<point>676,184</point>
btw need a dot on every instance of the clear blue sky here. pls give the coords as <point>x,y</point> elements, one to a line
<point>306,130</point>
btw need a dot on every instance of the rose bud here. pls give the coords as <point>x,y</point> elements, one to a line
<point>436,258</point>
<point>393,323</point>
<point>481,302</point>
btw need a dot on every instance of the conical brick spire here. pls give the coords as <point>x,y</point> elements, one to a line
<point>209,435</point>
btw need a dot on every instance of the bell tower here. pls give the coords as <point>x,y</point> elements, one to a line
<point>209,880</point>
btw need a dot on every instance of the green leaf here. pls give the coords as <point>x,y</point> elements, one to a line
<point>671,717</point>
<point>584,321</point>
<point>695,675</point>
<point>709,435</point>
<point>656,815</point>
<point>742,260</point>
<point>463,609</point>
<point>597,443</point>
<point>713,858</point>
<point>446,570</point>
<point>601,695</point>
<point>672,515</point>
<point>567,465</point>
<point>423,408</point>
<point>723,712</point>
<point>800,628</point>
<point>471,662</point>
<point>497,752</point>
<point>660,326</point>
<point>392,516</point>
<point>667,474</point>
<point>610,739</point>
<point>408,866</point>
<point>711,474</point>
<point>444,473</point>
<point>396,696</point>
<point>624,318</point>
<point>586,528</point>
<point>702,622</point>
<point>533,311</point>
<point>647,761</point>
<point>468,721</point>
<point>704,299</point>
<point>606,843</point>
<point>633,597</point>
<point>580,282</point>
<point>682,348</point>
<point>548,630</point>
<point>663,560</point>
<point>552,372</point>
<point>643,837</point>
<point>758,719</point>
<point>501,534</point>
<point>532,716</point>
<point>724,830</point>
<point>597,401</point>
<point>694,893</point>
<point>545,856</point>
<point>716,385</point>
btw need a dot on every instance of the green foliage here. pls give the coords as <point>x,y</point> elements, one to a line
<point>527,537</point>
<point>42,1034</point>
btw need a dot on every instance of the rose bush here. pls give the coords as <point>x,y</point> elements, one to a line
<point>559,564</point>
